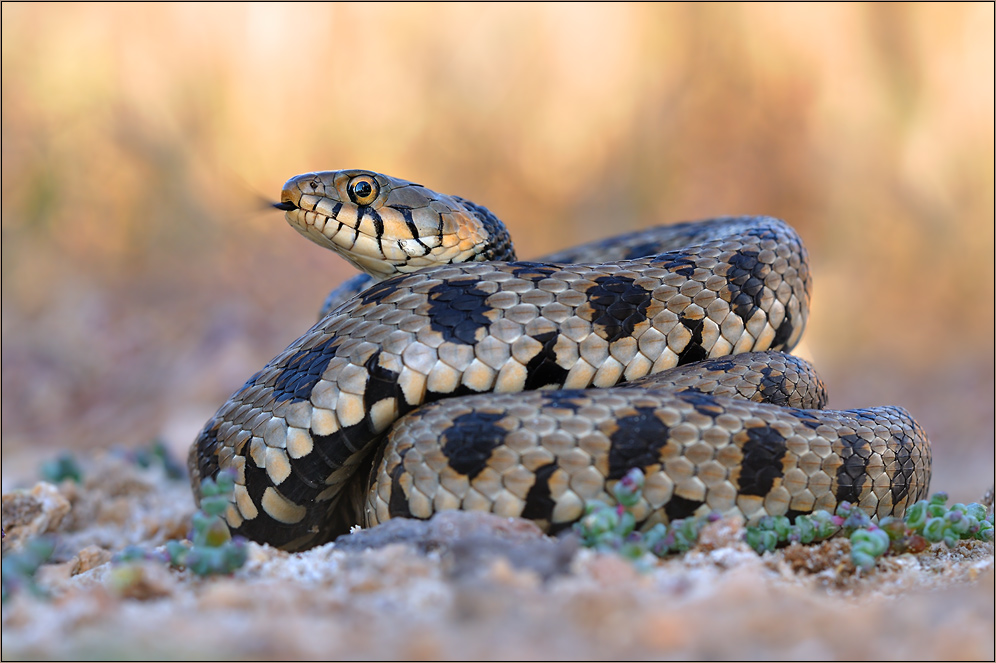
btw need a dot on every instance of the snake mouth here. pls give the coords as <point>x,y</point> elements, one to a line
<point>364,247</point>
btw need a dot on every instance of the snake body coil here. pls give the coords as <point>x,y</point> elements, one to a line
<point>690,321</point>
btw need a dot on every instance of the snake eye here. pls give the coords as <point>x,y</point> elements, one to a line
<point>363,189</point>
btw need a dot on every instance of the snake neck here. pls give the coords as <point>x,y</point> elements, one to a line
<point>498,245</point>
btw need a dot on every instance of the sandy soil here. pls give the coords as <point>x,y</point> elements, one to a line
<point>468,586</point>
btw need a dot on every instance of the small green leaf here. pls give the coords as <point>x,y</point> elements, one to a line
<point>933,531</point>
<point>916,516</point>
<point>63,468</point>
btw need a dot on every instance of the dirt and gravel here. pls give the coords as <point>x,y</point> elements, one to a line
<point>467,586</point>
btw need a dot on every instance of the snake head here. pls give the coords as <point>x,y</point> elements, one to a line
<point>387,226</point>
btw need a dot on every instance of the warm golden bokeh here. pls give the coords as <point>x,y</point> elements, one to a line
<point>144,280</point>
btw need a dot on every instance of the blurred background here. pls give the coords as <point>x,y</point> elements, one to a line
<point>144,278</point>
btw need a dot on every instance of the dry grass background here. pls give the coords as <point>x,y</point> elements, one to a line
<point>144,280</point>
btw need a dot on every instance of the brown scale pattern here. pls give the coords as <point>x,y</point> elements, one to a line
<point>304,436</point>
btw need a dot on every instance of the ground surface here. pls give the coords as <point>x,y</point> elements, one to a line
<point>468,586</point>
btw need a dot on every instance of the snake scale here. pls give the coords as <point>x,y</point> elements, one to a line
<point>454,376</point>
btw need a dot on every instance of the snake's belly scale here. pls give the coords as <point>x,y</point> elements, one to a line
<point>305,436</point>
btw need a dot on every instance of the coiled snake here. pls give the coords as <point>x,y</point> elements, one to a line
<point>389,406</point>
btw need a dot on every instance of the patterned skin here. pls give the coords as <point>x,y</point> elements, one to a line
<point>691,320</point>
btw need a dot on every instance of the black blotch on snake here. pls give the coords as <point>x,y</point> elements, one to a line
<point>302,371</point>
<point>543,369</point>
<point>398,504</point>
<point>382,383</point>
<point>762,460</point>
<point>539,503</point>
<point>701,401</point>
<point>461,390</point>
<point>533,271</point>
<point>851,474</point>
<point>745,280</point>
<point>693,351</point>
<point>457,310</point>
<point>256,480</point>
<point>719,365</point>
<point>677,262</point>
<point>615,306</point>
<point>468,443</point>
<point>636,442</point>
<point>782,334</point>
<point>566,399</point>
<point>774,387</point>
<point>681,507</point>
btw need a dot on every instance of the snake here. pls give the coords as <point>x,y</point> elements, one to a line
<point>452,375</point>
